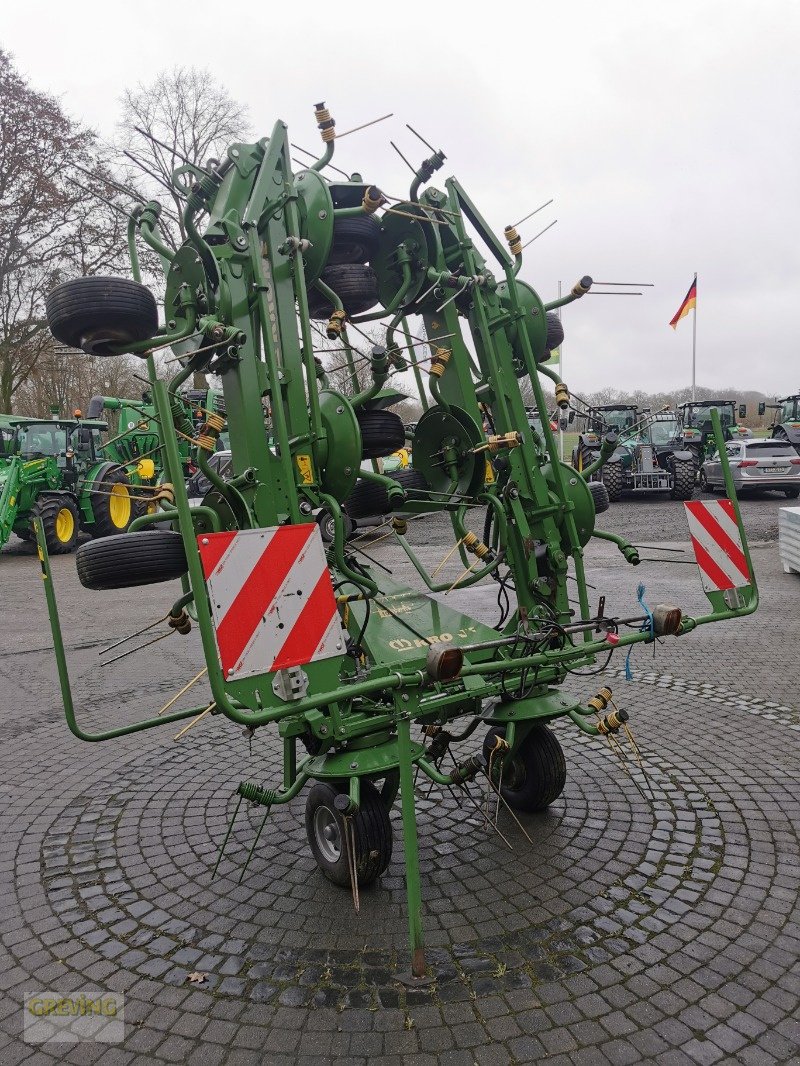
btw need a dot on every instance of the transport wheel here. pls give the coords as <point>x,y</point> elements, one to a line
<point>555,331</point>
<point>682,480</point>
<point>112,506</point>
<point>356,286</point>
<point>536,776</point>
<point>98,313</point>
<point>791,494</point>
<point>369,498</point>
<point>703,482</point>
<point>131,559</point>
<point>613,480</point>
<point>382,432</point>
<point>59,515</point>
<point>599,495</point>
<point>355,240</point>
<point>370,831</point>
<point>327,526</point>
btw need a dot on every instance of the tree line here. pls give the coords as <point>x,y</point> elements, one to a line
<point>65,198</point>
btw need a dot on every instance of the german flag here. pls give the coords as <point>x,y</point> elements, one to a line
<point>689,302</point>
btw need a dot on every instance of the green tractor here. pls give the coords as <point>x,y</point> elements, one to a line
<point>56,470</point>
<point>648,457</point>
<point>698,435</point>
<point>786,420</point>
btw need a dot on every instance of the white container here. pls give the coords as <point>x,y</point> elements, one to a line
<point>789,538</point>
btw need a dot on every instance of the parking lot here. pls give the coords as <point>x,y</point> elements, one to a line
<point>653,917</point>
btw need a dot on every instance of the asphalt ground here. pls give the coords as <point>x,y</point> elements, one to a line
<point>652,916</point>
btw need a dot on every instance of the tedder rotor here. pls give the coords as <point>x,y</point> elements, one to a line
<point>343,659</point>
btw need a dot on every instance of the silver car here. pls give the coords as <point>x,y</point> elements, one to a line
<point>755,465</point>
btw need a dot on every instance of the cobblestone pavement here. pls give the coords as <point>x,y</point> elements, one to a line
<point>649,920</point>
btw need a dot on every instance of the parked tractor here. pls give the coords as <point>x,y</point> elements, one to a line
<point>56,470</point>
<point>786,420</point>
<point>697,427</point>
<point>648,457</point>
<point>368,677</point>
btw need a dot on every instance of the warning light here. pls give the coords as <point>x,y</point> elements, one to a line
<point>78,413</point>
<point>444,662</point>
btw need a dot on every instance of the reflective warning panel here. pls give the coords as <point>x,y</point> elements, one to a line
<point>717,544</point>
<point>271,598</point>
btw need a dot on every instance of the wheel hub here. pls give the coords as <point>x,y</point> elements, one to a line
<point>326,831</point>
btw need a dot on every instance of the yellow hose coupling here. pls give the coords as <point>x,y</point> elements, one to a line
<point>601,700</point>
<point>514,240</point>
<point>335,325</point>
<point>373,199</point>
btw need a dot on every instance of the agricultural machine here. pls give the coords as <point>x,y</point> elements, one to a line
<point>648,457</point>
<point>368,681</point>
<point>58,471</point>
<point>786,420</point>
<point>698,434</point>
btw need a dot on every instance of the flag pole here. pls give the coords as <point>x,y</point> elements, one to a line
<point>561,378</point>
<point>694,337</point>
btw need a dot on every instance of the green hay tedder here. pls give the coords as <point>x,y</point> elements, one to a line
<point>366,681</point>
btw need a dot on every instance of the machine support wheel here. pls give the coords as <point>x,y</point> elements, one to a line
<point>370,498</point>
<point>59,515</point>
<point>536,775</point>
<point>370,830</point>
<point>131,559</point>
<point>600,496</point>
<point>382,432</point>
<point>355,240</point>
<point>682,480</point>
<point>355,284</point>
<point>100,313</point>
<point>791,494</point>
<point>612,478</point>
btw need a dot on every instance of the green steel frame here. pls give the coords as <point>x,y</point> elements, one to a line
<point>236,299</point>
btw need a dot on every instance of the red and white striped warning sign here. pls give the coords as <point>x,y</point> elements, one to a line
<point>717,544</point>
<point>272,600</point>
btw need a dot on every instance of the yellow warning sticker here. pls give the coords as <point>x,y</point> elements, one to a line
<point>489,477</point>
<point>306,471</point>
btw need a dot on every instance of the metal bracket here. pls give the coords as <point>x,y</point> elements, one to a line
<point>733,598</point>
<point>290,684</point>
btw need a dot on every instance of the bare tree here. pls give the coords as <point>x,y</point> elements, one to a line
<point>50,227</point>
<point>194,118</point>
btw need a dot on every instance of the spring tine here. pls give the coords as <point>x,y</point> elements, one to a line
<point>482,813</point>
<point>225,841</point>
<point>508,808</point>
<point>536,212</point>
<point>138,633</point>
<point>253,846</point>
<point>141,647</point>
<point>350,845</point>
<point>420,137</point>
<point>194,721</point>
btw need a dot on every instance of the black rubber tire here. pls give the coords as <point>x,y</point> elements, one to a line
<point>104,525</point>
<point>599,495</point>
<point>96,313</point>
<point>702,482</point>
<point>131,559</point>
<point>555,331</point>
<point>682,480</point>
<point>48,509</point>
<point>382,432</point>
<point>538,770</point>
<point>791,494</point>
<point>371,829</point>
<point>326,526</point>
<point>26,535</point>
<point>355,240</point>
<point>356,286</point>
<point>613,479</point>
<point>369,498</point>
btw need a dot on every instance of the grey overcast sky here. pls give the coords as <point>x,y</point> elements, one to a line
<point>667,134</point>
